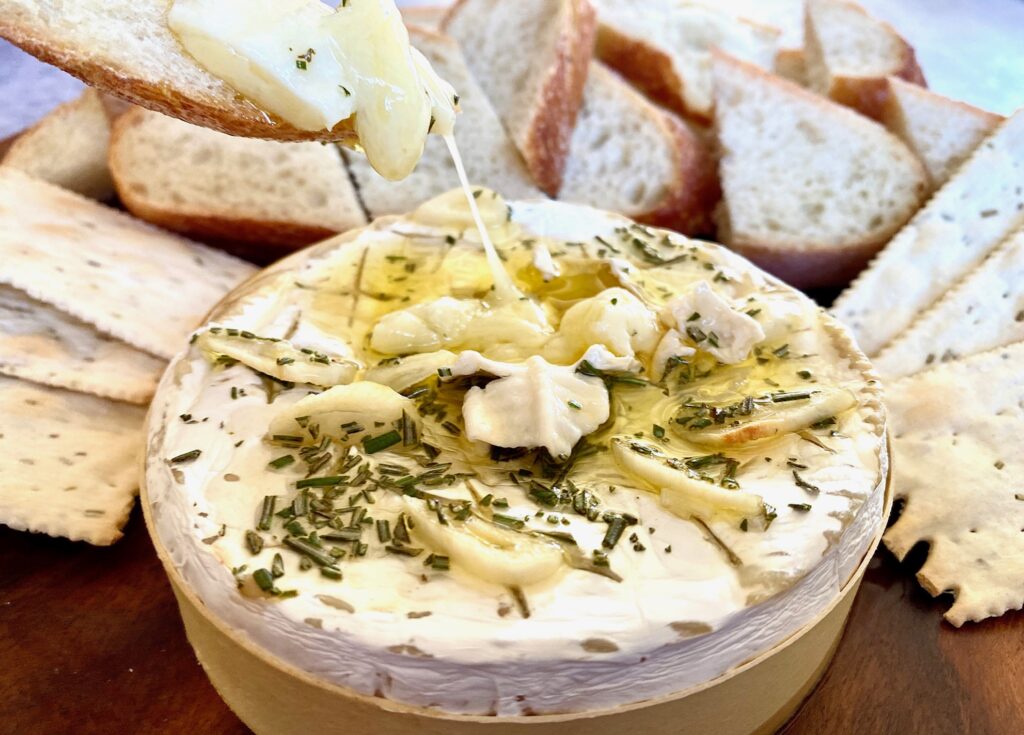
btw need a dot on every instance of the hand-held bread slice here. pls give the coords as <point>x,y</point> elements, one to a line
<point>313,72</point>
<point>68,147</point>
<point>850,54</point>
<point>210,185</point>
<point>531,58</point>
<point>488,154</point>
<point>664,48</point>
<point>942,132</point>
<point>125,47</point>
<point>962,223</point>
<point>632,157</point>
<point>811,190</point>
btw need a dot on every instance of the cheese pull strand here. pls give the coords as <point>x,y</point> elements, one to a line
<point>505,289</point>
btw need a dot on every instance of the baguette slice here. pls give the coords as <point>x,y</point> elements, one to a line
<point>850,54</point>
<point>632,157</point>
<point>982,312</point>
<point>489,156</point>
<point>68,147</point>
<point>966,219</point>
<point>126,48</point>
<point>218,187</point>
<point>531,58</point>
<point>664,48</point>
<point>942,132</point>
<point>811,190</point>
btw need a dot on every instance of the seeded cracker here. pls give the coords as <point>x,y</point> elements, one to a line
<point>128,279</point>
<point>982,312</point>
<point>69,462</point>
<point>45,345</point>
<point>958,464</point>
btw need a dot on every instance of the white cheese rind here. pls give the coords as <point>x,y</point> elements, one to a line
<point>475,661</point>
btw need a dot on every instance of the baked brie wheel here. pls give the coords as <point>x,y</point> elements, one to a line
<point>607,466</point>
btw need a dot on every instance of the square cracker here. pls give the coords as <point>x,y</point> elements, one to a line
<point>41,343</point>
<point>69,462</point>
<point>965,221</point>
<point>982,312</point>
<point>958,464</point>
<point>132,281</point>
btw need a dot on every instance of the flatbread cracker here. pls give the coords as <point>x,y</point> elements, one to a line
<point>132,281</point>
<point>958,464</point>
<point>982,312</point>
<point>41,343</point>
<point>966,219</point>
<point>69,463</point>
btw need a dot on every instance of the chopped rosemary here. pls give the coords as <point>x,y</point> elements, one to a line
<point>804,485</point>
<point>282,461</point>
<point>189,456</point>
<point>254,541</point>
<point>267,512</point>
<point>374,444</point>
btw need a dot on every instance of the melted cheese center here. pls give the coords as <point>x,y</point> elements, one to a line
<point>314,66</point>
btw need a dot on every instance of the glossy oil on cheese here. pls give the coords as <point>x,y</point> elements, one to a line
<point>684,610</point>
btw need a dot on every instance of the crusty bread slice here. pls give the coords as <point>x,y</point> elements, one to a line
<point>219,187</point>
<point>961,225</point>
<point>531,58</point>
<point>68,147</point>
<point>811,190</point>
<point>850,54</point>
<point>664,48</point>
<point>489,156</point>
<point>942,132</point>
<point>126,48</point>
<point>632,157</point>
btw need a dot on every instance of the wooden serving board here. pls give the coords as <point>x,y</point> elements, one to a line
<point>91,642</point>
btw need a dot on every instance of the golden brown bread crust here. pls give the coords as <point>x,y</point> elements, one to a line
<point>689,208</point>
<point>554,119</point>
<point>869,95</point>
<point>812,268</point>
<point>235,117</point>
<point>260,240</point>
<point>650,70</point>
<point>546,148</point>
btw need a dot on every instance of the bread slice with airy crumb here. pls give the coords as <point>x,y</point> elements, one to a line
<point>68,147</point>
<point>942,132</point>
<point>489,156</point>
<point>212,186</point>
<point>664,48</point>
<point>126,48</point>
<point>531,58</point>
<point>811,190</point>
<point>632,157</point>
<point>850,54</point>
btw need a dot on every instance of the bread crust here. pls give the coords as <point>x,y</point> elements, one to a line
<point>546,146</point>
<point>690,204</point>
<point>816,265</point>
<point>272,238</point>
<point>649,69</point>
<point>868,95</point>
<point>229,113</point>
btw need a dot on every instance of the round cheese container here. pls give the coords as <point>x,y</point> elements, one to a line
<point>602,477</point>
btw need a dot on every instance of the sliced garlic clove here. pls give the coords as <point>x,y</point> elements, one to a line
<point>682,489</point>
<point>485,549</point>
<point>277,358</point>
<point>347,413</point>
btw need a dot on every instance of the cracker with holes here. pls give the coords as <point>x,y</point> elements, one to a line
<point>131,281</point>
<point>957,438</point>
<point>69,462</point>
<point>45,345</point>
